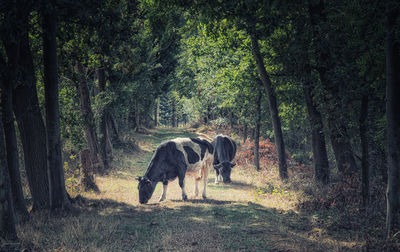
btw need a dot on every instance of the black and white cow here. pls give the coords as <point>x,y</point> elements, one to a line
<point>177,158</point>
<point>224,152</point>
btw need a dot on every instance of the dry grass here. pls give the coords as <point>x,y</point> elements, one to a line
<point>255,213</point>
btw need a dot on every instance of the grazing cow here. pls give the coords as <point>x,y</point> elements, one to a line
<point>224,152</point>
<point>177,158</point>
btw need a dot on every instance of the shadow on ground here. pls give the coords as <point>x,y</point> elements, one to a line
<point>233,185</point>
<point>206,201</point>
<point>197,225</point>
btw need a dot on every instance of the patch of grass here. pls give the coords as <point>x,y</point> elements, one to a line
<point>256,212</point>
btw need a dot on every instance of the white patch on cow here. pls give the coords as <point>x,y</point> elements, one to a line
<point>198,170</point>
<point>180,143</point>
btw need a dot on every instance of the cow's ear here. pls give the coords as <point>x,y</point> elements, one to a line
<point>233,164</point>
<point>139,178</point>
<point>148,181</point>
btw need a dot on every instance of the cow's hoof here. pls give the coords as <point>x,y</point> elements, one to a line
<point>204,197</point>
<point>216,182</point>
<point>161,199</point>
<point>184,198</point>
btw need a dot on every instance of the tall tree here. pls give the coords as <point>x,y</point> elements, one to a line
<point>10,135</point>
<point>302,71</point>
<point>338,130</point>
<point>273,106</point>
<point>257,131</point>
<point>320,157</point>
<point>364,150</point>
<point>28,115</point>
<point>105,146</point>
<point>8,67</point>
<point>88,119</point>
<point>58,194</point>
<point>393,118</point>
<point>7,219</point>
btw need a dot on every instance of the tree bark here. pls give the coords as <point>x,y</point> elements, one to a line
<point>276,122</point>
<point>245,130</point>
<point>320,157</point>
<point>393,121</point>
<point>105,137</point>
<point>109,146</point>
<point>88,181</point>
<point>88,120</point>
<point>156,108</point>
<point>364,150</point>
<point>11,139</point>
<point>137,114</point>
<point>114,127</point>
<point>58,193</point>
<point>338,132</point>
<point>30,122</point>
<point>7,219</point>
<point>173,119</point>
<point>257,132</point>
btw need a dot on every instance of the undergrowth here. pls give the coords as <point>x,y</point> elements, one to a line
<point>338,206</point>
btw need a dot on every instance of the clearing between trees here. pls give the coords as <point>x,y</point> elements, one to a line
<point>256,212</point>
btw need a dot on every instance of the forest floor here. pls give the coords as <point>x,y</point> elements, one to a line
<point>251,214</point>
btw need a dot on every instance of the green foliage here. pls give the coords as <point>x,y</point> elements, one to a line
<point>216,71</point>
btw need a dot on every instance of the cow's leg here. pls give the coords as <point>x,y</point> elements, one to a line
<point>182,185</point>
<point>205,180</point>
<point>216,176</point>
<point>216,161</point>
<point>164,192</point>
<point>196,186</point>
<point>181,176</point>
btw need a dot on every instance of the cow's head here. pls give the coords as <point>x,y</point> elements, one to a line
<point>225,170</point>
<point>146,189</point>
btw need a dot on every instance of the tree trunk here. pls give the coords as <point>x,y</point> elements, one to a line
<point>208,113</point>
<point>11,140</point>
<point>364,150</point>
<point>156,108</point>
<point>341,146</point>
<point>338,132</point>
<point>137,115</point>
<point>58,193</point>
<point>7,219</point>
<point>393,122</point>
<point>245,129</point>
<point>276,122</point>
<point>320,157</point>
<point>114,127</point>
<point>257,132</point>
<point>173,119</point>
<point>30,123</point>
<point>230,116</point>
<point>88,120</point>
<point>88,182</point>
<point>109,146</point>
<point>105,137</point>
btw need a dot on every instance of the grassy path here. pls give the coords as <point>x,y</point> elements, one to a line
<point>233,218</point>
